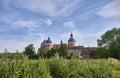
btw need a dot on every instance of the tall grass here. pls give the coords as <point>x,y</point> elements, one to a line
<point>60,68</point>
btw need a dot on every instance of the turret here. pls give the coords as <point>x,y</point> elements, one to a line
<point>47,44</point>
<point>71,41</point>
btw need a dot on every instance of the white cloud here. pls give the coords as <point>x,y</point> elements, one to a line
<point>40,6</point>
<point>31,25</point>
<point>46,21</point>
<point>9,17</point>
<point>70,24</point>
<point>54,8</point>
<point>16,20</point>
<point>112,9</point>
<point>26,24</point>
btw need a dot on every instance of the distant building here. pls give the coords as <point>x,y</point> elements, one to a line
<point>47,44</point>
<point>71,41</point>
<point>80,51</point>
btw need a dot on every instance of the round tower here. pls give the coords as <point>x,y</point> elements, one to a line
<point>43,44</point>
<point>71,41</point>
<point>47,44</point>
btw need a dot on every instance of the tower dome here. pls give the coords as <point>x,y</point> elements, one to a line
<point>44,41</point>
<point>71,41</point>
<point>47,44</point>
<point>48,41</point>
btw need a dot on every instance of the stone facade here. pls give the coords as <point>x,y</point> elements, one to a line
<point>47,44</point>
<point>80,51</point>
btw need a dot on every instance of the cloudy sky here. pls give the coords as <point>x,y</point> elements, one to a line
<point>30,21</point>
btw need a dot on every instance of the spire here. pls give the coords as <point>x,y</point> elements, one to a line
<point>61,42</point>
<point>44,40</point>
<point>48,38</point>
<point>71,39</point>
<point>71,35</point>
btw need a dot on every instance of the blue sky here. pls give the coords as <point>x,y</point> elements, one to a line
<point>31,21</point>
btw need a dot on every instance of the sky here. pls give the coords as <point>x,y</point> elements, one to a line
<point>24,22</point>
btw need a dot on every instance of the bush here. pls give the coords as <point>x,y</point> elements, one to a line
<point>60,68</point>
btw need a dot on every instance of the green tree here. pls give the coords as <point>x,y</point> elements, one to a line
<point>108,37</point>
<point>100,53</point>
<point>63,50</point>
<point>41,52</point>
<point>111,41</point>
<point>29,50</point>
<point>51,53</point>
<point>114,49</point>
<point>5,55</point>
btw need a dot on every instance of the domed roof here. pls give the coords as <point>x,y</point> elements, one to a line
<point>48,41</point>
<point>71,38</point>
<point>44,42</point>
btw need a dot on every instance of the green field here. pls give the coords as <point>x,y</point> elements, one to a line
<point>60,68</point>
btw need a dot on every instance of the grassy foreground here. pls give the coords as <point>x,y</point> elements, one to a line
<point>60,68</point>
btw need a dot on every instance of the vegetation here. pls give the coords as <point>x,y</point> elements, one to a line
<point>30,52</point>
<point>57,67</point>
<point>109,45</point>
<point>41,52</point>
<point>100,52</point>
<point>51,53</point>
<point>63,51</point>
<point>53,63</point>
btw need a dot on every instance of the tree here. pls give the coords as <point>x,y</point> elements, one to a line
<point>41,52</point>
<point>51,53</point>
<point>5,55</point>
<point>100,53</point>
<point>63,51</point>
<point>29,50</point>
<point>114,49</point>
<point>111,41</point>
<point>109,37</point>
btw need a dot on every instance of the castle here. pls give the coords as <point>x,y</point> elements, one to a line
<point>80,51</point>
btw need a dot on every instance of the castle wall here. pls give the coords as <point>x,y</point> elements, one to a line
<point>80,51</point>
<point>47,46</point>
<point>70,44</point>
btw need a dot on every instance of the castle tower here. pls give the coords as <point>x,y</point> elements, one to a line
<point>47,44</point>
<point>71,41</point>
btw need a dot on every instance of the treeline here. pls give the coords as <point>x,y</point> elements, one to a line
<point>41,53</point>
<point>109,45</point>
